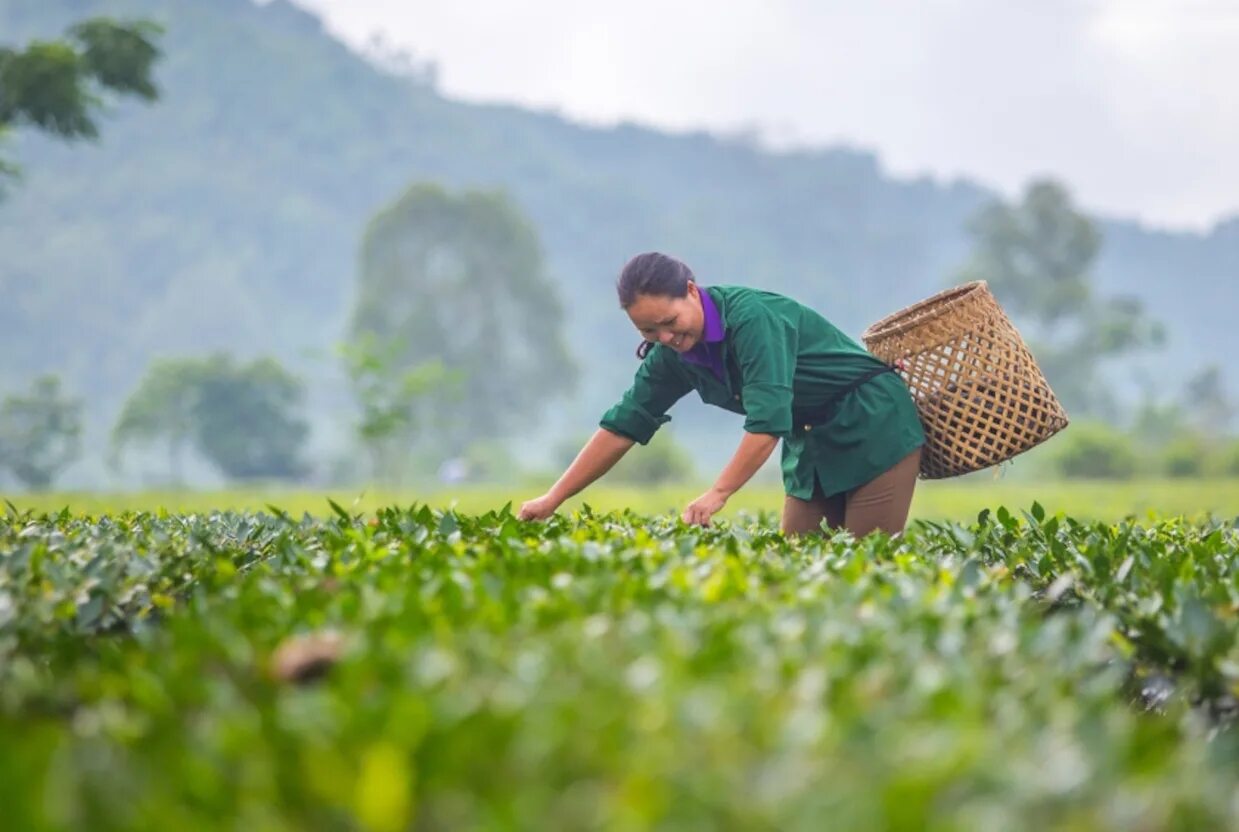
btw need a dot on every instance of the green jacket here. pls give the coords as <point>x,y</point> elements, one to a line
<point>784,362</point>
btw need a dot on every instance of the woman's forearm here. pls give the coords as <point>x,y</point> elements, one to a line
<point>754,450</point>
<point>600,453</point>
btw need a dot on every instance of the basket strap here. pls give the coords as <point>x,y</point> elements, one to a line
<point>826,411</point>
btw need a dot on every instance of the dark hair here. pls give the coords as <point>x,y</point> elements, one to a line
<point>652,273</point>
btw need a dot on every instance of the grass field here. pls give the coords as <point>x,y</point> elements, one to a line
<point>959,500</point>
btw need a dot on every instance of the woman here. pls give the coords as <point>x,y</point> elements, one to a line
<point>851,435</point>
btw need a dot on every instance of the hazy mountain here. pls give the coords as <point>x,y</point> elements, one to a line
<point>229,214</point>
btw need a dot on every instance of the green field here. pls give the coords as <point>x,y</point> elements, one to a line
<point>959,500</point>
<point>424,670</point>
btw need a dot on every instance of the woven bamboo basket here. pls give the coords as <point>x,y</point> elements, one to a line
<point>981,396</point>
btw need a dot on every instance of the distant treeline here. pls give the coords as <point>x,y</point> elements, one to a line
<point>230,216</point>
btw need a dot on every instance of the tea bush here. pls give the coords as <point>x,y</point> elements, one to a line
<point>614,671</point>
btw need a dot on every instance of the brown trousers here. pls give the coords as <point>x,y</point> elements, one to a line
<point>882,503</point>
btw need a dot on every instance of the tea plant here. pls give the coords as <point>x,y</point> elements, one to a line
<point>421,669</point>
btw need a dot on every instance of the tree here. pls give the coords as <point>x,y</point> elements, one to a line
<point>57,86</point>
<point>1036,257</point>
<point>242,418</point>
<point>394,402</point>
<point>1155,423</point>
<point>1186,456</point>
<point>40,433</point>
<point>1094,450</point>
<point>459,279</point>
<point>1205,399</point>
<point>162,409</point>
<point>246,418</point>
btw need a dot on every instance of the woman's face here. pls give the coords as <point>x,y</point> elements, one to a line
<point>676,322</point>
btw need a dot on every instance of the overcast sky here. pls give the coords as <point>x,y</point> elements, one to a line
<point>1133,103</point>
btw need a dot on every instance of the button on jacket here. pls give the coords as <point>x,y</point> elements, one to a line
<point>782,366</point>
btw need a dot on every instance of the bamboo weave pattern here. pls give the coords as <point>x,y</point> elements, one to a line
<point>980,394</point>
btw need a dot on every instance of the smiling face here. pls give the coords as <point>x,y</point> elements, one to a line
<point>678,323</point>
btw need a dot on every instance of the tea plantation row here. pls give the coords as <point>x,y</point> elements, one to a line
<point>418,669</point>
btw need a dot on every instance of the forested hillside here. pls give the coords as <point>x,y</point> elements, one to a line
<point>229,215</point>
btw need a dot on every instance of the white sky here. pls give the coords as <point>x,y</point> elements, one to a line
<point>1133,103</point>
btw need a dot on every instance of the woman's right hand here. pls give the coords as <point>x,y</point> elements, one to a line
<point>538,508</point>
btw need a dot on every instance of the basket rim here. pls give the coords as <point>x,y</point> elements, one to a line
<point>909,317</point>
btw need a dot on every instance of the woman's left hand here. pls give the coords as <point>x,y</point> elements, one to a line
<point>700,510</point>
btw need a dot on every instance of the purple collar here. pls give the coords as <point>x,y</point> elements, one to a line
<point>704,353</point>
<point>714,321</point>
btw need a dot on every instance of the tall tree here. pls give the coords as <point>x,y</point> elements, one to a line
<point>241,418</point>
<point>59,85</point>
<point>1036,256</point>
<point>247,419</point>
<point>459,278</point>
<point>1206,401</point>
<point>161,410</point>
<point>393,402</point>
<point>40,433</point>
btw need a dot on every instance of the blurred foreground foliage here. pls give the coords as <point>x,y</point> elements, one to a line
<point>602,671</point>
<point>58,86</point>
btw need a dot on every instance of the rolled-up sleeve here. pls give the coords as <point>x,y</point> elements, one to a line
<point>765,346</point>
<point>643,408</point>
